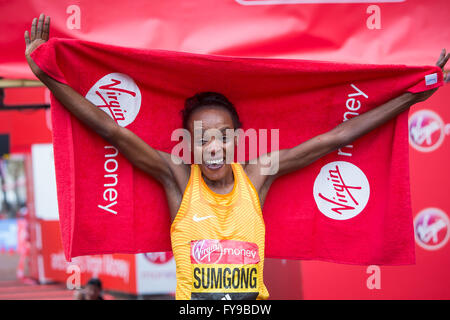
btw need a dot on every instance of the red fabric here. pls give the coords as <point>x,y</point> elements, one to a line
<point>408,31</point>
<point>300,98</point>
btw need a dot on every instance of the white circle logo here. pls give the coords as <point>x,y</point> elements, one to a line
<point>118,95</point>
<point>158,257</point>
<point>341,190</point>
<point>426,130</point>
<point>431,228</point>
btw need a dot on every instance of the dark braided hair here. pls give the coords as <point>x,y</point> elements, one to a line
<point>203,99</point>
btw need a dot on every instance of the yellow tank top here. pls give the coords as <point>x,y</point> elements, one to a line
<point>218,241</point>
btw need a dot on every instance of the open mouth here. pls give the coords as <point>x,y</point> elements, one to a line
<point>214,164</point>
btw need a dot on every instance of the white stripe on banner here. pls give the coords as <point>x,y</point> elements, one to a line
<point>274,2</point>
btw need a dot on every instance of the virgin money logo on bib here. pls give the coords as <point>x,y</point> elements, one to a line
<point>426,130</point>
<point>206,251</point>
<point>431,228</point>
<point>341,190</point>
<point>210,251</point>
<point>118,95</point>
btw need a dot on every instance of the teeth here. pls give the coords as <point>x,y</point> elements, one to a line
<point>218,161</point>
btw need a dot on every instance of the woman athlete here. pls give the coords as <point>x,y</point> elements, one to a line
<point>217,230</point>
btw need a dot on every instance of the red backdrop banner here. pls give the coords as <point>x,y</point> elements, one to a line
<point>408,31</point>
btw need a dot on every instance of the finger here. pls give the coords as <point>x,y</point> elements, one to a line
<point>40,26</point>
<point>33,29</point>
<point>441,57</point>
<point>444,61</point>
<point>46,30</point>
<point>27,38</point>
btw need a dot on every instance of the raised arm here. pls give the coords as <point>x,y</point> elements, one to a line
<point>305,153</point>
<point>156,163</point>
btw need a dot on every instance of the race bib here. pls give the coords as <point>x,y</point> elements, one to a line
<point>224,270</point>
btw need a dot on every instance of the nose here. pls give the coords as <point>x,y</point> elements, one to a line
<point>213,149</point>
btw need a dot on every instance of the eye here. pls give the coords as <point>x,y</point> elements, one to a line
<point>201,142</point>
<point>226,138</point>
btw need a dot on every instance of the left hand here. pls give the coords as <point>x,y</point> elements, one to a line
<point>422,96</point>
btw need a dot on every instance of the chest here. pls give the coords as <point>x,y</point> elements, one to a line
<point>206,221</point>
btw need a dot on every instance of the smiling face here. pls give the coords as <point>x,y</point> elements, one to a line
<point>213,144</point>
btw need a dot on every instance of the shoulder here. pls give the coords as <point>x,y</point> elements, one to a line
<point>257,175</point>
<point>261,181</point>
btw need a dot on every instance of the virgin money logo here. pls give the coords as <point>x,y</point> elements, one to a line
<point>158,257</point>
<point>206,251</point>
<point>431,228</point>
<point>341,190</point>
<point>426,130</point>
<point>118,95</point>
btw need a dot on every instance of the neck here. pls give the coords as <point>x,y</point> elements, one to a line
<point>227,182</point>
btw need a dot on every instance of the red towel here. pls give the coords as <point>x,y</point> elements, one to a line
<point>351,206</point>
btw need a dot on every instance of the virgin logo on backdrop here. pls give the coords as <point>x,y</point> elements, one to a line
<point>426,130</point>
<point>341,190</point>
<point>118,95</point>
<point>158,257</point>
<point>431,228</point>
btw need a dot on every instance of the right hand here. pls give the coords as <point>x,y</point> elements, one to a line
<point>38,35</point>
<point>424,95</point>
